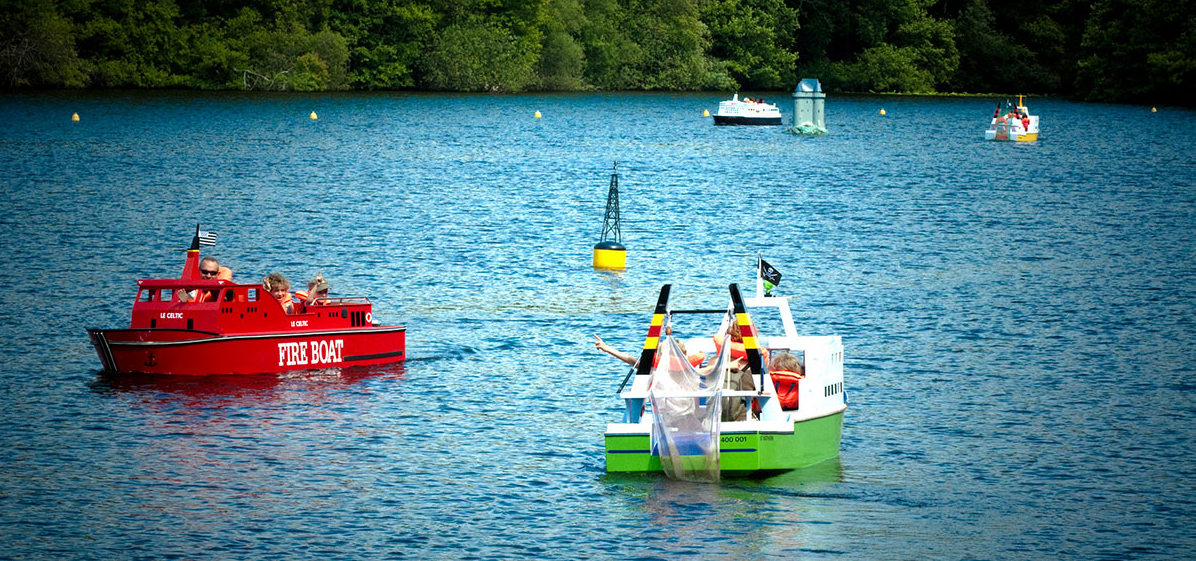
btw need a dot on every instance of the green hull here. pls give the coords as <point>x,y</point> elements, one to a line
<point>740,452</point>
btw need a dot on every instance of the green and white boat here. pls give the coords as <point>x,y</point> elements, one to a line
<point>673,407</point>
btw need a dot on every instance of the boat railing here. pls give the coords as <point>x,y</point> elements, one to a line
<point>636,400</point>
<point>342,300</point>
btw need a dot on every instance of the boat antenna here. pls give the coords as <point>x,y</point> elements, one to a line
<point>610,223</point>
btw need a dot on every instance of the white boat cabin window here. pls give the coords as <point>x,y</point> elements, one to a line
<point>253,295</point>
<point>767,321</point>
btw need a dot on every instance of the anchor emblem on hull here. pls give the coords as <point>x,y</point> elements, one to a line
<point>150,361</point>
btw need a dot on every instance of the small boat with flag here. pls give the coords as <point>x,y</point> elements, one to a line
<point>1013,123</point>
<point>746,112</point>
<point>213,326</point>
<point>680,418</point>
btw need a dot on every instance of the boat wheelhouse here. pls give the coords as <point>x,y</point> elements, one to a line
<point>197,326</point>
<point>789,423</point>
<point>746,112</point>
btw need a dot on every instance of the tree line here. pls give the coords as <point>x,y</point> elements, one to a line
<point>1112,50</point>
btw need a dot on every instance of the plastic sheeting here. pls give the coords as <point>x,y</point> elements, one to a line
<point>686,411</point>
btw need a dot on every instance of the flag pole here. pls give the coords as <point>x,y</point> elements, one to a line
<point>759,275</point>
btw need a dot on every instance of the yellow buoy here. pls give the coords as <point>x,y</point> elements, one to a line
<point>313,116</point>
<point>610,255</point>
<point>1154,110</point>
<point>705,112</point>
<point>882,111</point>
<point>537,115</point>
<point>75,117</point>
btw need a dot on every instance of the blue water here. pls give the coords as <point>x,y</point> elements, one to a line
<point>1018,319</point>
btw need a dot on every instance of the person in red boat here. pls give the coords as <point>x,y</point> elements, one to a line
<point>209,269</point>
<point>280,288</point>
<point>317,288</point>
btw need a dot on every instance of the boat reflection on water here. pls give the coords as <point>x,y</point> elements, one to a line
<point>247,389</point>
<point>814,478</point>
<point>787,515</point>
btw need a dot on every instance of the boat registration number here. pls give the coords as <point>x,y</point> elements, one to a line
<point>314,351</point>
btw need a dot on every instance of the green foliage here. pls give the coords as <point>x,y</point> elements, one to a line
<point>612,58</point>
<point>562,56</point>
<point>479,58</point>
<point>755,41</point>
<point>386,40</point>
<point>281,60</point>
<point>885,68</point>
<point>673,40</point>
<point>37,47</point>
<point>1139,50</point>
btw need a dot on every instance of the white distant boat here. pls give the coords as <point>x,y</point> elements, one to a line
<point>1016,125</point>
<point>746,112</point>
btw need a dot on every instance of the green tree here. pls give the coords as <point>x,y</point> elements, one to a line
<point>612,58</point>
<point>136,44</point>
<point>879,45</point>
<point>674,42</point>
<point>479,58</point>
<point>288,58</point>
<point>562,57</point>
<point>755,40</point>
<point>37,47</point>
<point>1143,50</point>
<point>385,39</point>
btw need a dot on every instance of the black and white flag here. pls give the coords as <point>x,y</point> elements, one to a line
<point>771,276</point>
<point>207,238</point>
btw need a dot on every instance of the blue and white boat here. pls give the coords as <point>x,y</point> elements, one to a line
<point>746,112</point>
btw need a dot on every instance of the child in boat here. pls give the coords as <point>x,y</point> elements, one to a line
<point>695,359</point>
<point>786,372</point>
<point>279,287</point>
<point>316,288</point>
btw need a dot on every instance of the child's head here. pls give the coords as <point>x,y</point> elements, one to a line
<point>785,361</point>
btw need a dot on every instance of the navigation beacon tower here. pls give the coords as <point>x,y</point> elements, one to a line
<point>609,253</point>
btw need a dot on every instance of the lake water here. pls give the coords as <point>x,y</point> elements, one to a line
<point>1018,320</point>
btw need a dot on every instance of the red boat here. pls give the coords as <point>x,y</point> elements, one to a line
<point>238,328</point>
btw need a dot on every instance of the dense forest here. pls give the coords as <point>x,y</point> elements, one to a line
<point>1112,50</point>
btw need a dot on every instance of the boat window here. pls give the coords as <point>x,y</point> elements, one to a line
<point>767,321</point>
<point>147,295</point>
<point>167,295</point>
<point>229,295</point>
<point>253,295</point>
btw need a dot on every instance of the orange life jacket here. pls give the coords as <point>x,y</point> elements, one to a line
<point>223,273</point>
<point>737,349</point>
<point>786,383</point>
<point>287,302</point>
<point>301,297</point>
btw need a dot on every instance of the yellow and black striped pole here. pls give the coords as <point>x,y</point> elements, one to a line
<point>747,331</point>
<point>652,342</point>
<point>610,253</point>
